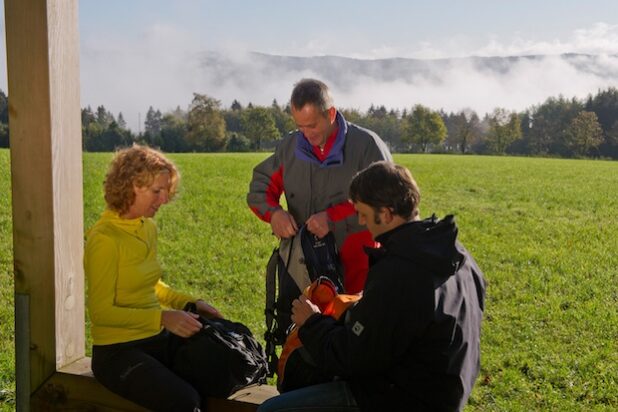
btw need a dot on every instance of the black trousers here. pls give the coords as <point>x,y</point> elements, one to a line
<point>140,371</point>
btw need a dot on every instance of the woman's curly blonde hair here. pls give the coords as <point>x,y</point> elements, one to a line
<point>135,166</point>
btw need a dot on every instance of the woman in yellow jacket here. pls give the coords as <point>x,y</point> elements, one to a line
<point>132,311</point>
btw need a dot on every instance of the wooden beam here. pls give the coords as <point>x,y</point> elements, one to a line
<point>46,172</point>
<point>73,388</point>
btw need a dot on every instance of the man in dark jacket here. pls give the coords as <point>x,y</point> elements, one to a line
<point>413,341</point>
<point>313,166</point>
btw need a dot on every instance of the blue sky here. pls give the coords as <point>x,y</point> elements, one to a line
<point>366,29</point>
<point>136,53</point>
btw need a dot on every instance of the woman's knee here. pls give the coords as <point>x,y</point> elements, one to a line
<point>177,398</point>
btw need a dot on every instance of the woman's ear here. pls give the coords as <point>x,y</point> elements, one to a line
<point>137,189</point>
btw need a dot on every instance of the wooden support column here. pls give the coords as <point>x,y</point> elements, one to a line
<point>46,168</point>
<point>52,373</point>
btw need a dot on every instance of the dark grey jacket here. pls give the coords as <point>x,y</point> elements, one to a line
<point>310,188</point>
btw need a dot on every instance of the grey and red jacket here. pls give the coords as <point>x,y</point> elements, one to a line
<point>311,186</point>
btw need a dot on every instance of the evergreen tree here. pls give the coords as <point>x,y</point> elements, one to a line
<point>87,117</point>
<point>103,117</point>
<point>121,122</point>
<point>4,108</point>
<point>236,106</point>
<point>549,123</point>
<point>232,120</point>
<point>152,124</point>
<point>237,143</point>
<point>4,135</point>
<point>173,133</point>
<point>605,105</point>
<point>284,122</point>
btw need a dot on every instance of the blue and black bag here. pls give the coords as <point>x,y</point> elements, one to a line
<point>293,266</point>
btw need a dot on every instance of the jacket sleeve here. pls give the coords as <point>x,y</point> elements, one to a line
<point>375,334</point>
<point>170,298</point>
<point>340,211</point>
<point>266,188</point>
<point>101,267</point>
<point>375,150</point>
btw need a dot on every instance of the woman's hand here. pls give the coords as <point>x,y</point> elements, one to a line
<point>181,323</point>
<point>207,311</point>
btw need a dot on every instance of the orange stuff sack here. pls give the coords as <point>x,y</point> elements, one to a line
<point>295,368</point>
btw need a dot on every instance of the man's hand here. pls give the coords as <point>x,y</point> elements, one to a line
<point>283,224</point>
<point>303,309</point>
<point>207,311</point>
<point>180,323</point>
<point>318,224</point>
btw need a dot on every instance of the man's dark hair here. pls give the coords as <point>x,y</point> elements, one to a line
<point>386,184</point>
<point>311,91</point>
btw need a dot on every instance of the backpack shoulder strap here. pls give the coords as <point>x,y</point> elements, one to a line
<point>269,310</point>
<point>271,288</point>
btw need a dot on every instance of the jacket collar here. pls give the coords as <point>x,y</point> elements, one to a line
<point>431,243</point>
<point>131,226</point>
<point>304,150</point>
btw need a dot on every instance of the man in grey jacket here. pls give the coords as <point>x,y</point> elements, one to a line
<point>313,167</point>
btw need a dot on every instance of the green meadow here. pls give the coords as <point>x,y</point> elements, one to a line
<point>544,231</point>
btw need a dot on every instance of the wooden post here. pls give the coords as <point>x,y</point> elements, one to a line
<point>52,372</point>
<point>46,170</point>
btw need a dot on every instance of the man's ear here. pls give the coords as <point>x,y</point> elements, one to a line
<point>387,213</point>
<point>332,114</point>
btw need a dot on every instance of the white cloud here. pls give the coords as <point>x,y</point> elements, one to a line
<point>163,66</point>
<point>462,85</point>
<point>601,38</point>
<point>159,69</point>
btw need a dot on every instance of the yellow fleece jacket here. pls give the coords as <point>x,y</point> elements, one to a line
<point>125,291</point>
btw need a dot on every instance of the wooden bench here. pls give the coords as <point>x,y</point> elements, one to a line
<point>74,388</point>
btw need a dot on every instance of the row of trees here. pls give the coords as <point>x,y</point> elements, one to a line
<point>557,127</point>
<point>204,127</point>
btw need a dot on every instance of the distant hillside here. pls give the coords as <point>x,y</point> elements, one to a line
<point>347,71</point>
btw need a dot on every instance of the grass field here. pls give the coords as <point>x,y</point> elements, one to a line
<point>544,231</point>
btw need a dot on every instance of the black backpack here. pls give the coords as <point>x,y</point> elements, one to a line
<point>293,266</point>
<point>220,359</point>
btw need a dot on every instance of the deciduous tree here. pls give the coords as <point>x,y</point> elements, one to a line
<point>584,133</point>
<point>425,127</point>
<point>466,128</point>
<point>504,129</point>
<point>205,124</point>
<point>258,126</point>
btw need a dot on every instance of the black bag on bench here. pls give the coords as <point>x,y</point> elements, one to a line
<point>220,359</point>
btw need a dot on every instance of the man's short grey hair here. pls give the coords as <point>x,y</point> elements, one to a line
<point>311,91</point>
